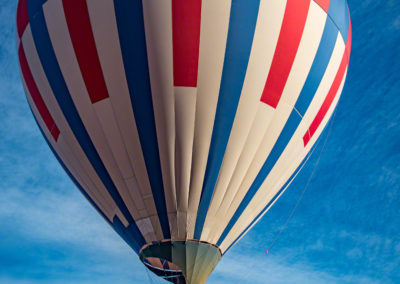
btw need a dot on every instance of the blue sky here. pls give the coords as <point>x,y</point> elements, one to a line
<point>345,230</point>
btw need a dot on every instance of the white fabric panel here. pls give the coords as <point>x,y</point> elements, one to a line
<point>131,160</point>
<point>260,126</point>
<point>295,150</point>
<point>145,226</point>
<point>302,63</point>
<point>69,66</point>
<point>185,107</point>
<point>98,190</point>
<point>249,166</point>
<point>270,17</point>
<point>213,35</point>
<point>158,26</point>
<point>105,115</point>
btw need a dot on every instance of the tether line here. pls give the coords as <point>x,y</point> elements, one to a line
<point>299,199</point>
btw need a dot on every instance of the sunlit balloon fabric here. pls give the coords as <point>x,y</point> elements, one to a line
<point>182,120</point>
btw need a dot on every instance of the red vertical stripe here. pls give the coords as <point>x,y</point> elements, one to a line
<point>35,94</point>
<point>22,17</point>
<point>332,92</point>
<point>186,17</point>
<point>80,30</point>
<point>324,4</point>
<point>289,39</point>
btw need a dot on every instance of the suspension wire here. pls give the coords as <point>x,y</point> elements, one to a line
<point>148,275</point>
<point>298,201</point>
<point>163,264</point>
<point>153,276</point>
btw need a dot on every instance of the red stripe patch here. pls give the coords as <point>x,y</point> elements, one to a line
<point>35,95</point>
<point>186,18</point>
<point>289,39</point>
<point>332,92</point>
<point>324,4</point>
<point>80,30</point>
<point>22,17</point>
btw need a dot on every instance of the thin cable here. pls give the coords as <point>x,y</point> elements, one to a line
<point>148,276</point>
<point>298,201</point>
<point>153,276</point>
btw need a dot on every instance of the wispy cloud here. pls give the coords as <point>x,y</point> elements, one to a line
<point>53,235</point>
<point>259,268</point>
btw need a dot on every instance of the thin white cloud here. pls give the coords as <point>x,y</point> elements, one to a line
<point>272,269</point>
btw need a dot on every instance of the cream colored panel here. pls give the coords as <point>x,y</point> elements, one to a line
<point>248,168</point>
<point>213,35</point>
<point>266,35</point>
<point>105,115</point>
<point>261,123</point>
<point>158,26</point>
<point>185,104</point>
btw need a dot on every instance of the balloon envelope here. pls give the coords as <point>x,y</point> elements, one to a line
<point>182,121</point>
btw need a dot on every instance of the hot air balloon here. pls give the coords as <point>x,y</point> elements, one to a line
<point>182,121</point>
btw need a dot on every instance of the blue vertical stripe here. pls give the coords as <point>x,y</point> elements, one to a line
<point>53,73</point>
<point>243,18</point>
<point>317,71</point>
<point>130,22</point>
<point>318,67</point>
<point>339,13</point>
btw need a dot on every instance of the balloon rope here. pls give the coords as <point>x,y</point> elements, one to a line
<point>298,201</point>
<point>149,276</point>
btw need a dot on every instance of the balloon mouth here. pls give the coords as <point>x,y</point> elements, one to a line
<point>181,262</point>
